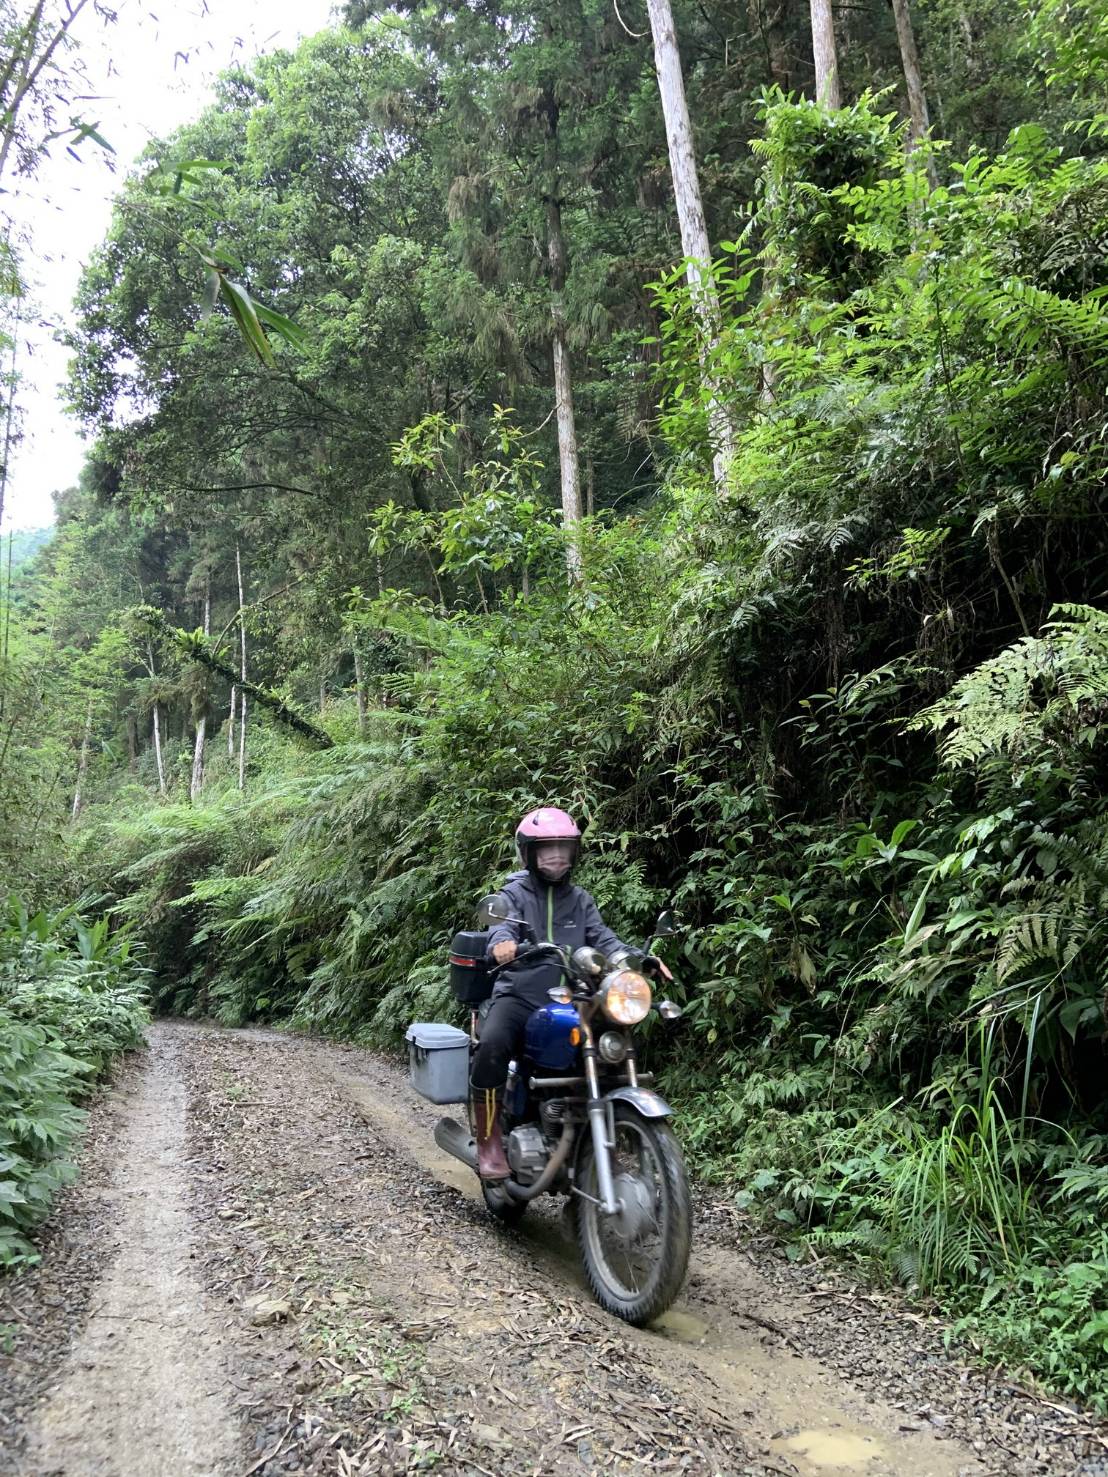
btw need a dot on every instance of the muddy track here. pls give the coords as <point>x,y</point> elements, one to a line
<point>268,1266</point>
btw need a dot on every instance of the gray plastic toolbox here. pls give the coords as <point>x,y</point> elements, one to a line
<point>438,1061</point>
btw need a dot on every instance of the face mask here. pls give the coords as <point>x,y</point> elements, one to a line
<point>553,860</point>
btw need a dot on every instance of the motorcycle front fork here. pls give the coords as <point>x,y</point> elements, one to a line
<point>603,1125</point>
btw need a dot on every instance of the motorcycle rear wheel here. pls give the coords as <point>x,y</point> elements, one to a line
<point>635,1262</point>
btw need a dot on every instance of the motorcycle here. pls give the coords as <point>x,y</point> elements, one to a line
<point>580,1119</point>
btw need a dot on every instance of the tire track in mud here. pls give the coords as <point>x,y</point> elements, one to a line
<point>143,1387</point>
<point>436,1341</point>
<point>795,1418</point>
<point>296,1279</point>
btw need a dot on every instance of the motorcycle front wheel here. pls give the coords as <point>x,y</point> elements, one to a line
<point>635,1261</point>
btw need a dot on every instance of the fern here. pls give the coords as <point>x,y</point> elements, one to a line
<point>1040,692</point>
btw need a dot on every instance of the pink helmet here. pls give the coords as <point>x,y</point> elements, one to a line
<point>548,823</point>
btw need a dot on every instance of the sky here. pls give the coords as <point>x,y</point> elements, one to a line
<point>150,71</point>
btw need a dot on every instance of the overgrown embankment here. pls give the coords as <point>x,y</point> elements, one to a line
<point>72,998</point>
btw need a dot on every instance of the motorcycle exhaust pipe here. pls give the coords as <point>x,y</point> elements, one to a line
<point>456,1140</point>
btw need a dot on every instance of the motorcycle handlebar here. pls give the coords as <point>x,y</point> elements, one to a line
<point>651,965</point>
<point>540,948</point>
<point>530,952</point>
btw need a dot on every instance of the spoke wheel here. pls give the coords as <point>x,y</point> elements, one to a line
<point>635,1260</point>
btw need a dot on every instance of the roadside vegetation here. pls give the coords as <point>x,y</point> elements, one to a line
<point>846,713</point>
<point>72,998</point>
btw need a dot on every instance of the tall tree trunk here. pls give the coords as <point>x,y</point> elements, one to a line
<point>197,782</point>
<point>826,56</point>
<point>920,125</point>
<point>242,669</point>
<point>694,230</point>
<point>158,748</point>
<point>567,446</point>
<point>82,763</point>
<point>563,379</point>
<point>231,720</point>
<point>590,484</point>
<point>157,722</point>
<point>359,684</point>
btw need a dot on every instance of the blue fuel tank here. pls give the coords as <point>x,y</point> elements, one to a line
<point>549,1043</point>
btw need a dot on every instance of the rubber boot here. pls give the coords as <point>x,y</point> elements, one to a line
<point>491,1163</point>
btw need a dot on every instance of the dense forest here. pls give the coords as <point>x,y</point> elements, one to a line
<point>429,481</point>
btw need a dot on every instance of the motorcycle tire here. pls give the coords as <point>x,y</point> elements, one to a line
<point>656,1209</point>
<point>501,1206</point>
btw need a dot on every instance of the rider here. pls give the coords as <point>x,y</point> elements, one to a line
<point>549,843</point>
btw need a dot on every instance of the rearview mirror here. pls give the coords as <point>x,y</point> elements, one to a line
<point>666,925</point>
<point>493,909</point>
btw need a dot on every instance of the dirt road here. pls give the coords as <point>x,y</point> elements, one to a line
<point>268,1266</point>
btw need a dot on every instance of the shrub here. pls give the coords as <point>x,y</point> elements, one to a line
<point>72,997</point>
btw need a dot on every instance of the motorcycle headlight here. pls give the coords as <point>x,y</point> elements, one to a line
<point>626,997</point>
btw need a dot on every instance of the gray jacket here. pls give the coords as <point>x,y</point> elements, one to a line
<point>564,914</point>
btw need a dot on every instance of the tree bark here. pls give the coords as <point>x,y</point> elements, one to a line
<point>231,720</point>
<point>568,464</point>
<point>694,230</point>
<point>197,782</point>
<point>825,54</point>
<point>82,763</point>
<point>920,125</point>
<point>158,749</point>
<point>567,448</point>
<point>157,721</point>
<point>242,670</point>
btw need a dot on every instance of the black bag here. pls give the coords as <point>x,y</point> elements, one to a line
<point>470,976</point>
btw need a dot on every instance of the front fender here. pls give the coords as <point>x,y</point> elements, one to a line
<point>648,1103</point>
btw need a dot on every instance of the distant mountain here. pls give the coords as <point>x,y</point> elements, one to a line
<point>26,542</point>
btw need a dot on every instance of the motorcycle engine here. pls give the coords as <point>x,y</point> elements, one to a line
<point>527,1153</point>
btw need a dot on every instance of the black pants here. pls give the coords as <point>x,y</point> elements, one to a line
<point>501,1037</point>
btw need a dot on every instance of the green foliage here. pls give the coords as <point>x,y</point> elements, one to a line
<point>38,1121</point>
<point>72,997</point>
<point>847,719</point>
